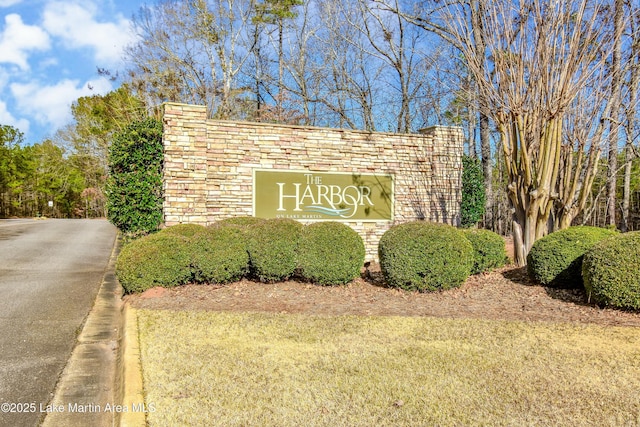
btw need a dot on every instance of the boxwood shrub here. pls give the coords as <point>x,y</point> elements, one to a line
<point>160,259</point>
<point>219,255</point>
<point>242,222</point>
<point>425,256</point>
<point>273,249</point>
<point>186,230</point>
<point>556,259</point>
<point>611,273</point>
<point>489,250</point>
<point>330,253</point>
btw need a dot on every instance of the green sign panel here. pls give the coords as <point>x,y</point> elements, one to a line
<point>322,195</point>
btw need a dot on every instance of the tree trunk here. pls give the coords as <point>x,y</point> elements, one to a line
<point>258,69</point>
<point>626,191</point>
<point>630,130</point>
<point>471,126</point>
<point>616,79</point>
<point>280,69</point>
<point>519,249</point>
<point>487,170</point>
<point>477,12</point>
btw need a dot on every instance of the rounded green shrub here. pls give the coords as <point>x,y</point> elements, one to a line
<point>273,249</point>
<point>186,230</point>
<point>242,222</point>
<point>425,256</point>
<point>219,255</point>
<point>611,271</point>
<point>489,250</point>
<point>161,259</point>
<point>330,253</point>
<point>556,259</point>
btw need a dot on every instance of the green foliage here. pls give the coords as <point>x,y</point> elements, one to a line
<point>32,175</point>
<point>489,250</point>
<point>134,187</point>
<point>219,255</point>
<point>425,256</point>
<point>10,136</point>
<point>611,273</point>
<point>330,253</point>
<point>99,117</point>
<point>161,259</point>
<point>276,11</point>
<point>473,192</point>
<point>186,230</point>
<point>273,249</point>
<point>241,222</point>
<point>96,119</point>
<point>556,259</point>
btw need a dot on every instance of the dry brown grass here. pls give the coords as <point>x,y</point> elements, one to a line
<point>249,369</point>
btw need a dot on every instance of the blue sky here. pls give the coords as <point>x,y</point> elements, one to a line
<point>49,54</point>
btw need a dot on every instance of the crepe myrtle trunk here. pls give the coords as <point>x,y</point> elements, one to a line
<point>532,181</point>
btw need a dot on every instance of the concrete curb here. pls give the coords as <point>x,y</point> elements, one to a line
<point>133,390</point>
<point>89,388</point>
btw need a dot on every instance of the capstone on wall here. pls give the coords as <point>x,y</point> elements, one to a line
<point>209,164</point>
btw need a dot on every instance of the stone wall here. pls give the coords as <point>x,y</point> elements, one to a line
<point>208,166</point>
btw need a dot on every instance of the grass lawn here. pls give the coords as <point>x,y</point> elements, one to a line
<point>248,369</point>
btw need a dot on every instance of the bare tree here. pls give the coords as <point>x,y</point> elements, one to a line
<point>348,73</point>
<point>614,120</point>
<point>400,47</point>
<point>631,134</point>
<point>477,27</point>
<point>300,63</point>
<point>540,56</point>
<point>191,51</point>
<point>277,12</point>
<point>433,16</point>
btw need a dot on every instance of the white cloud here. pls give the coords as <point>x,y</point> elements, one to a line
<point>17,39</point>
<point>50,105</point>
<point>48,62</point>
<point>8,3</point>
<point>78,27</point>
<point>6,118</point>
<point>4,79</point>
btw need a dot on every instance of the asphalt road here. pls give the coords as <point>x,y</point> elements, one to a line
<point>50,273</point>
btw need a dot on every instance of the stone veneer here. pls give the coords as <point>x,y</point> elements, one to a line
<point>208,166</point>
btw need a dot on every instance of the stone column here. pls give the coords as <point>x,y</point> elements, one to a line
<point>185,164</point>
<point>446,173</point>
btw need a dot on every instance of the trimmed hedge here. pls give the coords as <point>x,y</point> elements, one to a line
<point>161,259</point>
<point>219,255</point>
<point>186,230</point>
<point>273,249</point>
<point>611,271</point>
<point>425,256</point>
<point>489,250</point>
<point>330,253</point>
<point>241,222</point>
<point>556,259</point>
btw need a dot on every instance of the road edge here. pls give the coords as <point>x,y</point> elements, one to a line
<point>89,388</point>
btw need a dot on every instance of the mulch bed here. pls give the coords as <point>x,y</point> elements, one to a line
<point>505,294</point>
